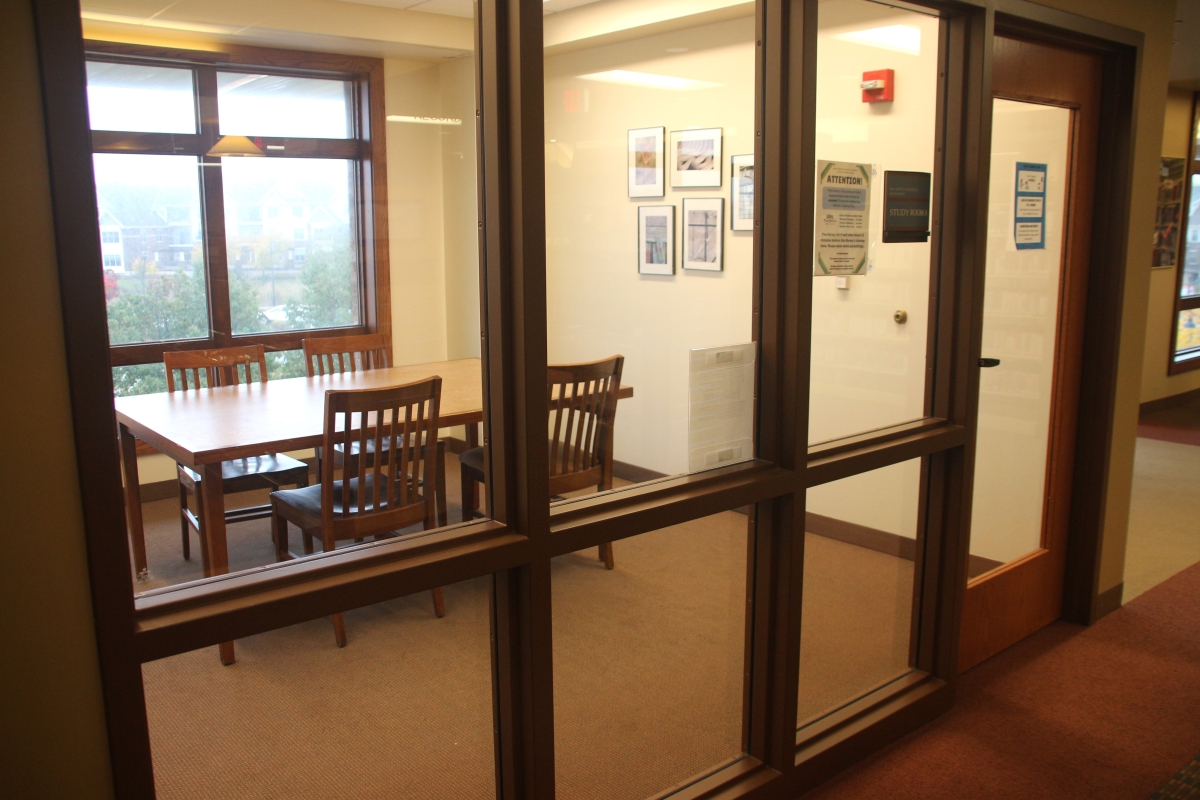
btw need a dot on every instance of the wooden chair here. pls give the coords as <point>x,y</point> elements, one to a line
<point>370,500</point>
<point>583,405</point>
<point>334,355</point>
<point>199,369</point>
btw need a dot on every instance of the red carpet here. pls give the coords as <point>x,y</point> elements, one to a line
<point>1168,433</point>
<point>1110,711</point>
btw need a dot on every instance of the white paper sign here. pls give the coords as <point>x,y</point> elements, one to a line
<point>843,217</point>
<point>1031,207</point>
<point>720,406</point>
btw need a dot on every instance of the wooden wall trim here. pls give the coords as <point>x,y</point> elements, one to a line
<point>1167,403</point>
<point>85,325</point>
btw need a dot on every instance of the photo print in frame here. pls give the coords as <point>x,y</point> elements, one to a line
<point>704,233</point>
<point>696,158</point>
<point>656,240</point>
<point>646,162</point>
<point>741,191</point>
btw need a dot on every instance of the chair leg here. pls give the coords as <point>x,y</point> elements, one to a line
<point>468,494</point>
<point>183,523</point>
<point>439,603</point>
<point>440,484</point>
<point>279,535</point>
<point>606,555</point>
<point>339,630</point>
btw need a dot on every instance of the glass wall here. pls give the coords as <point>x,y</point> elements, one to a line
<point>324,184</point>
<point>648,106</point>
<point>870,323</point>
<point>649,659</point>
<point>299,717</point>
<point>861,547</point>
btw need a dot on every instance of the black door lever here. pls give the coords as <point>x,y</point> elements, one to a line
<point>989,362</point>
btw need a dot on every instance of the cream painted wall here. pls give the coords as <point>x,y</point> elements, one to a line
<point>1160,311</point>
<point>54,741</point>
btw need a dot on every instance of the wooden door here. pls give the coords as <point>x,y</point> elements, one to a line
<point>1045,123</point>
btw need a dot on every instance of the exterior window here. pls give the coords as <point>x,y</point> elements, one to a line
<point>1185,333</point>
<point>158,233</point>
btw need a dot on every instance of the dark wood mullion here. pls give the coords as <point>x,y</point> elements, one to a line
<point>85,330</point>
<point>212,199</point>
<point>182,144</point>
<point>513,224</point>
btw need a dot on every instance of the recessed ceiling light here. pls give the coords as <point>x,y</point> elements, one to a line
<point>648,80</point>
<point>901,38</point>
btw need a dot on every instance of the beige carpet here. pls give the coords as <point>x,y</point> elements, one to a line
<point>1164,532</point>
<point>647,658</point>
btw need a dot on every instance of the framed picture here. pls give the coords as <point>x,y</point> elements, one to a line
<point>741,191</point>
<point>656,240</point>
<point>703,233</point>
<point>646,162</point>
<point>696,158</point>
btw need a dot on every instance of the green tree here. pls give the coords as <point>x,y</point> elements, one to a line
<point>329,293</point>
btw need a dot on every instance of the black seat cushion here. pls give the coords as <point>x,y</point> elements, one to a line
<point>254,466</point>
<point>308,499</point>
<point>472,458</point>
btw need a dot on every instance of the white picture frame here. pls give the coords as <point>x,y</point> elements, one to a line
<point>704,233</point>
<point>741,193</point>
<point>695,158</point>
<point>656,240</point>
<point>646,171</point>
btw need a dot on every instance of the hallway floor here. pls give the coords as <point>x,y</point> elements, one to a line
<point>1110,711</point>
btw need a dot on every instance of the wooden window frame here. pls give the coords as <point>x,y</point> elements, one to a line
<point>526,531</point>
<point>366,147</point>
<point>1181,303</point>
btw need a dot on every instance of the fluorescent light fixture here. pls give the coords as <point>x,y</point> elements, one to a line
<point>901,38</point>
<point>424,120</point>
<point>648,80</point>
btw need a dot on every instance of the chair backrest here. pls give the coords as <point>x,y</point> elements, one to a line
<point>222,366</point>
<point>336,354</point>
<point>404,421</point>
<point>583,405</point>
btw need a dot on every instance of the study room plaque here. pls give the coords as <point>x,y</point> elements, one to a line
<point>906,206</point>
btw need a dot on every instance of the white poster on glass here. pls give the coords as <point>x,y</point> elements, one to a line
<point>843,218</point>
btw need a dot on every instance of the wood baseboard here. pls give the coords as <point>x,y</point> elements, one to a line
<point>1164,403</point>
<point>881,541</point>
<point>1108,601</point>
<point>633,473</point>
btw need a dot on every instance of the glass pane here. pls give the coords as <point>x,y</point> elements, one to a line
<point>860,548</point>
<point>151,247</point>
<point>274,105</point>
<point>646,257</point>
<point>403,712</point>
<point>1020,327</point>
<point>868,358</point>
<point>649,659</point>
<point>289,233</point>
<point>1188,336</point>
<point>124,97</point>
<point>1190,284</point>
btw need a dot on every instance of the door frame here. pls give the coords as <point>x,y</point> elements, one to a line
<point>781,762</point>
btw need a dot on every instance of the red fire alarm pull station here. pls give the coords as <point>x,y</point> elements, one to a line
<point>878,85</point>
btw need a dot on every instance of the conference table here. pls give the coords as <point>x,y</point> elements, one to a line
<point>202,428</point>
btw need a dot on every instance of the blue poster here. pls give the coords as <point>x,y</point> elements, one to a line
<point>1029,212</point>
